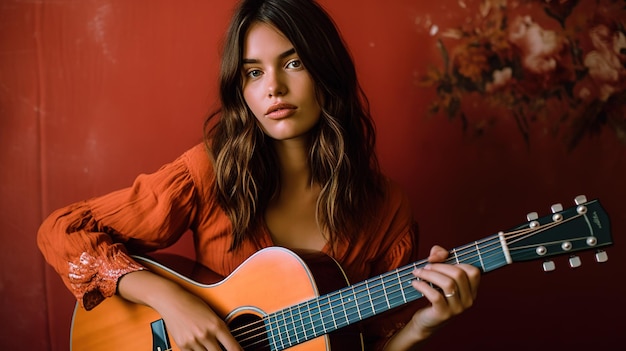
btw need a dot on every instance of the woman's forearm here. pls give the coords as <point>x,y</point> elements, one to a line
<point>408,338</point>
<point>146,288</point>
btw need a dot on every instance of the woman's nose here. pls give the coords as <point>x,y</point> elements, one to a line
<point>276,85</point>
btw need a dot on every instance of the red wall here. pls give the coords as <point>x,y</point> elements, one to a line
<point>93,93</point>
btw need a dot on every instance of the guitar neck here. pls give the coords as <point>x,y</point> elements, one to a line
<point>327,313</point>
<point>370,297</point>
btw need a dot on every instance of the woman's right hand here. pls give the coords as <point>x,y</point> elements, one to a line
<point>190,321</point>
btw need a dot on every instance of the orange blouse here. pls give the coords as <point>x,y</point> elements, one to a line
<point>88,243</point>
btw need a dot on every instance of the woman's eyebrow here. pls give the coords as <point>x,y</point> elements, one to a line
<point>281,56</point>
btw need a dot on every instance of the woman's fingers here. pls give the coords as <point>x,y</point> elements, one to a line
<point>455,284</point>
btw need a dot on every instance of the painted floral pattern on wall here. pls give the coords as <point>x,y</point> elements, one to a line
<point>557,64</point>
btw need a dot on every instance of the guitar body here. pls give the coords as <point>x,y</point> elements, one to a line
<point>270,280</point>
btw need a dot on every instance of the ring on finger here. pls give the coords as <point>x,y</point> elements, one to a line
<point>449,295</point>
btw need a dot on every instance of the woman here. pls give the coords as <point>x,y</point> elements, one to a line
<point>288,161</point>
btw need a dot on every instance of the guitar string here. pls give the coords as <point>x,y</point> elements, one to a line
<point>467,252</point>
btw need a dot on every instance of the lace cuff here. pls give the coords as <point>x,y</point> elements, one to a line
<point>95,278</point>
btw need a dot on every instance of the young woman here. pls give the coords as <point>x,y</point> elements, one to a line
<point>288,161</point>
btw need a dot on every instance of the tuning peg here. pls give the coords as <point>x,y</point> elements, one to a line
<point>574,262</point>
<point>532,218</point>
<point>556,208</point>
<point>548,266</point>
<point>580,199</point>
<point>601,256</point>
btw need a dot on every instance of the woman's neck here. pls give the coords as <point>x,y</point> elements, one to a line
<point>295,172</point>
<point>291,217</point>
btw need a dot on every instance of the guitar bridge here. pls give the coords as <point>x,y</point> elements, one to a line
<point>160,340</point>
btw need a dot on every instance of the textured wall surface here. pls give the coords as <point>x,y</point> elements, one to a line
<point>84,82</point>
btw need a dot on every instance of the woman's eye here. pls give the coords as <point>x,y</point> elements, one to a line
<point>255,73</point>
<point>294,64</point>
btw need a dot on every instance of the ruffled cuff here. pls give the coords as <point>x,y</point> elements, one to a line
<point>95,278</point>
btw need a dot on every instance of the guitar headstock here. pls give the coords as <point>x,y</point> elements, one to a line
<point>582,227</point>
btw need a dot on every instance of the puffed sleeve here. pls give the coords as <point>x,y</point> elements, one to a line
<point>88,243</point>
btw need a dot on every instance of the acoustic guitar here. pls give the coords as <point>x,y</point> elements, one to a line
<point>279,299</point>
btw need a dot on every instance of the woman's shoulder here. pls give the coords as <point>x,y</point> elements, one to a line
<point>199,164</point>
<point>198,154</point>
<point>198,157</point>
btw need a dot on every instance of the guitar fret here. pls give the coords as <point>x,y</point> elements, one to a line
<point>296,317</point>
<point>343,321</point>
<point>328,317</point>
<point>408,290</point>
<point>305,314</point>
<point>362,301</point>
<point>356,304</point>
<point>285,327</point>
<point>394,294</point>
<point>281,329</point>
<point>333,314</point>
<point>480,257</point>
<point>400,284</point>
<point>292,333</point>
<point>456,256</point>
<point>350,306</point>
<point>317,322</point>
<point>377,295</point>
<point>385,294</point>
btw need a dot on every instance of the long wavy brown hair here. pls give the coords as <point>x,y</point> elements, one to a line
<point>342,150</point>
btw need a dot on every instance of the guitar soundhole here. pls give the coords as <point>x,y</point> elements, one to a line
<point>249,330</point>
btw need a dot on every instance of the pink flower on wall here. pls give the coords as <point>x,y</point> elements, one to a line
<point>561,63</point>
<point>540,49</point>
<point>501,78</point>
<point>606,61</point>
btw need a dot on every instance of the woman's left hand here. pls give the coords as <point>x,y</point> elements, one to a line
<point>453,290</point>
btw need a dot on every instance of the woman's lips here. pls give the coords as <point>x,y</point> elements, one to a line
<point>279,111</point>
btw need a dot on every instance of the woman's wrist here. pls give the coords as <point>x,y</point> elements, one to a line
<point>409,338</point>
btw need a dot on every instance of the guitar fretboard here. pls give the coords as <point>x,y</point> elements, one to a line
<point>327,313</point>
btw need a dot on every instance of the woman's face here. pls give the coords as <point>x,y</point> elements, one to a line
<point>276,86</point>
